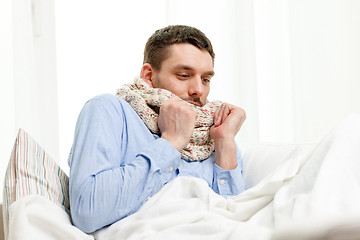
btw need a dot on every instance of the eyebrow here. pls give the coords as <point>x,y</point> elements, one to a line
<point>186,67</point>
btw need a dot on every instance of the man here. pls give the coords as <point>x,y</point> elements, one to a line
<point>116,163</point>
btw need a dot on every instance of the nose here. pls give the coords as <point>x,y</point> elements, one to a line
<point>196,88</point>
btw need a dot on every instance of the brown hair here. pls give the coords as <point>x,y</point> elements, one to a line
<point>156,48</point>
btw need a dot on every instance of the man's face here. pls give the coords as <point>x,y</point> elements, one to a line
<point>186,73</point>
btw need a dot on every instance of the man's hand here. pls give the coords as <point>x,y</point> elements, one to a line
<point>177,122</point>
<point>228,120</point>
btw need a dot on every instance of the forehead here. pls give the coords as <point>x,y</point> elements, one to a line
<point>185,54</point>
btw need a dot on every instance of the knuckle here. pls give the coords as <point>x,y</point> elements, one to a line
<point>166,103</point>
<point>240,111</point>
<point>243,113</point>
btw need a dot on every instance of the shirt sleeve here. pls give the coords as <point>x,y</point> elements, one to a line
<point>109,179</point>
<point>229,182</point>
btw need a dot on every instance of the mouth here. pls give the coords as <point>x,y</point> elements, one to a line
<point>194,103</point>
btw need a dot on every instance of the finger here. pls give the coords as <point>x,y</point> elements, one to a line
<point>168,102</point>
<point>219,117</point>
<point>225,114</point>
<point>211,132</point>
<point>216,115</point>
<point>192,110</point>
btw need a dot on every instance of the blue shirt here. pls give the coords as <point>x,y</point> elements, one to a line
<point>116,163</point>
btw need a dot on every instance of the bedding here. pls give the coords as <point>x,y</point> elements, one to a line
<point>307,197</point>
<point>36,217</point>
<point>294,192</point>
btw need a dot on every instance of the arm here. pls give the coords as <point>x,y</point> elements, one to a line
<point>228,120</point>
<point>229,182</point>
<point>114,166</point>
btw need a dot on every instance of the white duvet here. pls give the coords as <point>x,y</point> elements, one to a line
<point>317,195</point>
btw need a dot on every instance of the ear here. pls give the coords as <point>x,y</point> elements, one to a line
<point>147,73</point>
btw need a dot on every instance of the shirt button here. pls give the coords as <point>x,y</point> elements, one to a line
<point>171,169</point>
<point>148,198</point>
<point>222,181</point>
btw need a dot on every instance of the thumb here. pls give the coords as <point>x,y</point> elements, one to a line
<point>212,131</point>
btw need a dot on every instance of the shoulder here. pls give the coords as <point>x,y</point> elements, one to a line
<point>106,102</point>
<point>105,99</point>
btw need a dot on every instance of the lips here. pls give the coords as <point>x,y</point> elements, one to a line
<point>194,103</point>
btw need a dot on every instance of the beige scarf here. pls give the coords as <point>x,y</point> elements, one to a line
<point>146,101</point>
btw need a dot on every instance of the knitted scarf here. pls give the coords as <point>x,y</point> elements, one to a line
<point>146,102</point>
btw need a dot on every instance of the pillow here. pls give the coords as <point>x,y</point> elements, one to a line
<point>32,171</point>
<point>259,160</point>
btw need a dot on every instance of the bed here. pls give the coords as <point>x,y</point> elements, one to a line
<point>294,191</point>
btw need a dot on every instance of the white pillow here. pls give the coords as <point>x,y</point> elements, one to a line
<point>259,160</point>
<point>32,171</point>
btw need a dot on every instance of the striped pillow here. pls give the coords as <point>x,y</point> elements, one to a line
<point>32,171</point>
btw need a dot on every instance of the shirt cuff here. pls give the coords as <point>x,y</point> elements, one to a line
<point>228,182</point>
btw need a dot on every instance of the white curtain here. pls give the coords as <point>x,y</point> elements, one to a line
<point>28,75</point>
<point>307,66</point>
<point>6,88</point>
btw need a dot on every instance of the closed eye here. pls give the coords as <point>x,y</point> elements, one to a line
<point>183,76</point>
